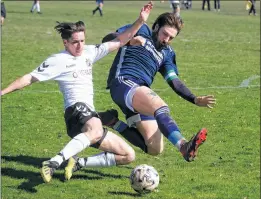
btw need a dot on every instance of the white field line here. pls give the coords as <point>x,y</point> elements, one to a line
<point>156,89</point>
<point>244,84</point>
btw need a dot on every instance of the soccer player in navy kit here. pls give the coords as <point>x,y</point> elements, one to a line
<point>131,75</point>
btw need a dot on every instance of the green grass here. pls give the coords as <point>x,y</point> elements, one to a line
<point>215,53</point>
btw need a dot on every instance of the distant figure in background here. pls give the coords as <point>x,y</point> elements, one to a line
<point>217,5</point>
<point>203,4</point>
<point>252,8</point>
<point>175,6</point>
<point>3,12</point>
<point>99,7</point>
<point>36,5</point>
<point>188,4</point>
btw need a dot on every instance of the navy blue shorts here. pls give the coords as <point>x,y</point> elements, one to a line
<point>99,1</point>
<point>122,90</point>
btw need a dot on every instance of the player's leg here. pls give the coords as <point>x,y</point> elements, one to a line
<point>127,94</point>
<point>116,152</point>
<point>97,8</point>
<point>152,136</point>
<point>176,8</point>
<point>86,129</point>
<point>147,127</point>
<point>208,5</point>
<point>38,7</point>
<point>33,6</point>
<point>148,102</point>
<point>100,7</point>
<point>145,134</point>
<point>141,131</point>
<point>110,119</point>
<point>203,4</point>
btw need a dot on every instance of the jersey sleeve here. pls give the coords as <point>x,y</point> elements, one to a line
<point>100,51</point>
<point>123,28</point>
<point>47,70</point>
<point>169,68</point>
<point>143,31</point>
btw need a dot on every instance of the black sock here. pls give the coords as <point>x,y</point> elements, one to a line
<point>100,10</point>
<point>131,134</point>
<point>134,137</point>
<point>95,10</point>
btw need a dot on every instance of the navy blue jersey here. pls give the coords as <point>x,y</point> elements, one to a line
<point>143,62</point>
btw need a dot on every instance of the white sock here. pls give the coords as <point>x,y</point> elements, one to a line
<point>104,159</point>
<point>38,7</point>
<point>76,145</point>
<point>58,158</point>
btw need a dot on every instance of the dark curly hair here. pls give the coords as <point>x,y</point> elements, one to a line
<point>168,19</point>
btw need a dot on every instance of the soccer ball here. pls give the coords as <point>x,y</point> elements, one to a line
<point>144,179</point>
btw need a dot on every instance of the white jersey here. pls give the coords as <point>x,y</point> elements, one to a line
<point>73,74</point>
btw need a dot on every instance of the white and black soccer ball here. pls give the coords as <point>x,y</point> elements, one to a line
<point>144,179</point>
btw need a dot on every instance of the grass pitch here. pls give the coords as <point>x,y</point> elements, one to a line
<point>217,53</point>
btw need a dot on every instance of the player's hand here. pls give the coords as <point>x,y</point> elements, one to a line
<point>205,101</point>
<point>137,41</point>
<point>145,11</point>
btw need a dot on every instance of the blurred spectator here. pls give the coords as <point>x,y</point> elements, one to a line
<point>187,4</point>
<point>99,7</point>
<point>175,6</point>
<point>217,5</point>
<point>36,5</point>
<point>203,4</point>
<point>252,7</point>
<point>3,12</point>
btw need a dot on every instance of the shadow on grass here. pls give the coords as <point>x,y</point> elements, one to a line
<point>34,178</point>
<point>29,160</point>
<point>98,173</point>
<point>20,12</point>
<point>125,193</point>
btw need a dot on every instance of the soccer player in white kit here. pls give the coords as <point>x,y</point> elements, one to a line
<point>72,69</point>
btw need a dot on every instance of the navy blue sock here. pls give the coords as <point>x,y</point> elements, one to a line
<point>168,126</point>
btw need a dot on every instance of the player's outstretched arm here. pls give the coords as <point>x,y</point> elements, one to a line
<point>205,101</point>
<point>19,83</point>
<point>128,34</point>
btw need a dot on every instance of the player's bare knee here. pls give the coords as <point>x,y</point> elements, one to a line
<point>98,135</point>
<point>154,151</point>
<point>94,134</point>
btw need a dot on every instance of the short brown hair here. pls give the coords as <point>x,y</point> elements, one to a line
<point>67,29</point>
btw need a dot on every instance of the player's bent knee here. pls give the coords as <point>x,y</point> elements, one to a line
<point>155,151</point>
<point>99,138</point>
